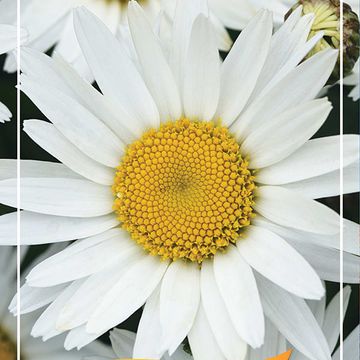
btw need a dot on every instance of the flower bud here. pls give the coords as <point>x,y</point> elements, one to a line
<point>327,19</point>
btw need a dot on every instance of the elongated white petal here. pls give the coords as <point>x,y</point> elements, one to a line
<point>332,317</point>
<point>291,209</point>
<point>238,289</point>
<point>128,295</point>
<point>329,184</point>
<point>156,71</point>
<point>83,303</point>
<point>202,73</point>
<point>202,342</point>
<point>84,258</point>
<point>35,298</point>
<point>79,337</point>
<point>351,346</point>
<point>316,157</point>
<point>58,196</point>
<point>185,14</point>
<point>75,122</point>
<point>35,168</point>
<point>45,325</point>
<point>351,235</point>
<point>326,262</point>
<point>275,259</point>
<point>294,320</point>
<point>5,113</point>
<point>274,344</point>
<point>304,82</point>
<point>179,302</point>
<point>51,140</point>
<point>149,332</point>
<point>231,345</point>
<point>122,342</point>
<point>303,120</point>
<point>241,69</point>
<point>114,71</point>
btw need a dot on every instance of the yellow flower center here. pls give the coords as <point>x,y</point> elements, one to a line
<point>7,347</point>
<point>326,20</point>
<point>183,191</point>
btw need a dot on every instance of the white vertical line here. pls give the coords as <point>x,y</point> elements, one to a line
<point>341,180</point>
<point>18,257</point>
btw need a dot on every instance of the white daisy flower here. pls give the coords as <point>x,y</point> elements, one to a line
<point>50,23</point>
<point>123,341</point>
<point>8,39</point>
<point>31,348</point>
<point>170,179</point>
<point>328,318</point>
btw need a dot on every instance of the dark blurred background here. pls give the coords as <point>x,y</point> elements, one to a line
<point>29,150</point>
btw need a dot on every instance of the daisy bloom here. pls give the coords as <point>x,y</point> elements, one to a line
<point>31,348</point>
<point>8,39</point>
<point>122,343</point>
<point>328,318</point>
<point>50,23</point>
<point>179,196</point>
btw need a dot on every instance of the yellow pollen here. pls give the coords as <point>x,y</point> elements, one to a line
<point>326,20</point>
<point>7,347</point>
<point>183,191</point>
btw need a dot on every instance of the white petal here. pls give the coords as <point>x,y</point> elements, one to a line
<point>129,294</point>
<point>351,346</point>
<point>185,13</point>
<point>291,209</point>
<point>156,71</point>
<point>303,120</point>
<point>275,259</point>
<point>326,262</point>
<point>316,157</point>
<point>149,331</point>
<point>35,298</point>
<point>202,342</point>
<point>35,168</point>
<point>274,344</point>
<point>83,303</point>
<point>202,72</point>
<point>294,320</point>
<point>231,345</point>
<point>243,65</point>
<point>79,337</point>
<point>114,71</point>
<point>122,342</point>
<point>5,113</point>
<point>58,196</point>
<point>75,122</point>
<point>45,325</point>
<point>302,84</point>
<point>238,289</point>
<point>331,326</point>
<point>50,139</point>
<point>83,258</point>
<point>328,184</point>
<point>179,302</point>
<point>351,235</point>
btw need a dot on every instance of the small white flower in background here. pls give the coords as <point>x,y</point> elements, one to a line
<point>123,341</point>
<point>31,348</point>
<point>328,318</point>
<point>185,179</point>
<point>49,23</point>
<point>8,40</point>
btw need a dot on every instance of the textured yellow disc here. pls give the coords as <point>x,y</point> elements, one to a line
<point>183,191</point>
